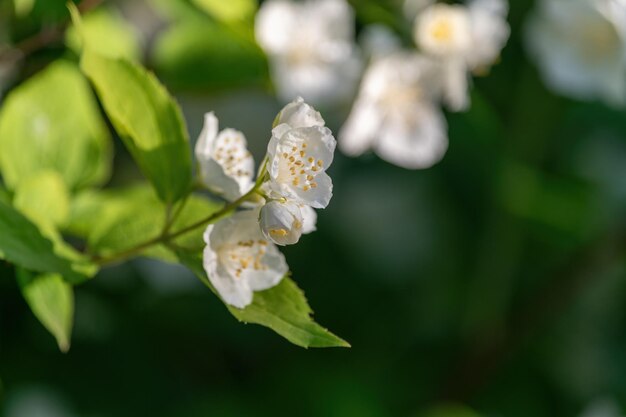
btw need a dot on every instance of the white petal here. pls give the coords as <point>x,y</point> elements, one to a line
<point>226,166</point>
<point>309,219</point>
<point>455,85</point>
<point>235,292</point>
<point>276,270</point>
<point>239,260</point>
<point>360,129</point>
<point>443,30</point>
<point>281,223</point>
<point>299,114</point>
<point>579,51</point>
<point>204,144</point>
<point>297,168</point>
<point>318,197</point>
<point>490,32</point>
<point>415,144</point>
<point>275,23</point>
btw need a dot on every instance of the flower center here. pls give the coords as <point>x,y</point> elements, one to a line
<point>244,255</point>
<point>442,31</point>
<point>298,168</point>
<point>231,154</point>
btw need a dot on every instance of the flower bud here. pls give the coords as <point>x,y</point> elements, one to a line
<point>281,222</point>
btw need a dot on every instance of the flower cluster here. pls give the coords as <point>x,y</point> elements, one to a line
<point>311,48</point>
<point>397,112</point>
<point>580,47</point>
<point>241,254</point>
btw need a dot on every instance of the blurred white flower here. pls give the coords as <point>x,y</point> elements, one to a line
<point>462,39</point>
<point>311,48</point>
<point>396,114</point>
<point>580,47</point>
<point>284,222</point>
<point>226,165</point>
<point>297,163</point>
<point>239,260</point>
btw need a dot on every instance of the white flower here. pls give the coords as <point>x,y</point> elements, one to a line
<point>311,48</point>
<point>226,166</point>
<point>396,115</point>
<point>462,39</point>
<point>299,114</point>
<point>297,161</point>
<point>239,260</point>
<point>284,222</point>
<point>580,47</point>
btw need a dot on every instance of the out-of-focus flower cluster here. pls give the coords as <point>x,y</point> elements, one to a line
<point>397,111</point>
<point>580,47</point>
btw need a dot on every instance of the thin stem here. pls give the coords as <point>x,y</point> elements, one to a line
<point>167,236</point>
<point>173,215</point>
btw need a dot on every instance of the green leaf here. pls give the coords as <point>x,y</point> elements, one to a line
<point>283,309</point>
<point>23,244</point>
<point>5,197</point>
<point>147,119</point>
<point>116,220</point>
<point>106,32</point>
<point>52,123</point>
<point>51,300</point>
<point>229,11</point>
<point>205,55</point>
<point>44,199</point>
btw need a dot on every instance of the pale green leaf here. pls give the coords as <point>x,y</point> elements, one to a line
<point>52,123</point>
<point>229,11</point>
<point>107,33</point>
<point>44,199</point>
<point>113,221</point>
<point>148,120</point>
<point>205,55</point>
<point>23,244</point>
<point>51,300</point>
<point>5,197</point>
<point>283,309</point>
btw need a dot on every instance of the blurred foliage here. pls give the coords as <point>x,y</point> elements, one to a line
<point>495,279</point>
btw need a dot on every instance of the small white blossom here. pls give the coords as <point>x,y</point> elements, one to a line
<point>239,260</point>
<point>462,39</point>
<point>396,115</point>
<point>311,48</point>
<point>226,165</point>
<point>580,47</point>
<point>298,159</point>
<point>299,114</point>
<point>284,222</point>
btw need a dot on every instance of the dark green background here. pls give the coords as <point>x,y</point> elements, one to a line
<point>495,279</point>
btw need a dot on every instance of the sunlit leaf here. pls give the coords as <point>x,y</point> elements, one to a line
<point>229,11</point>
<point>283,309</point>
<point>106,32</point>
<point>147,119</point>
<point>23,244</point>
<point>51,123</point>
<point>51,300</point>
<point>43,198</point>
<point>116,220</point>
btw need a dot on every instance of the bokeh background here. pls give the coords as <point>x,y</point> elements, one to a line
<point>492,282</point>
